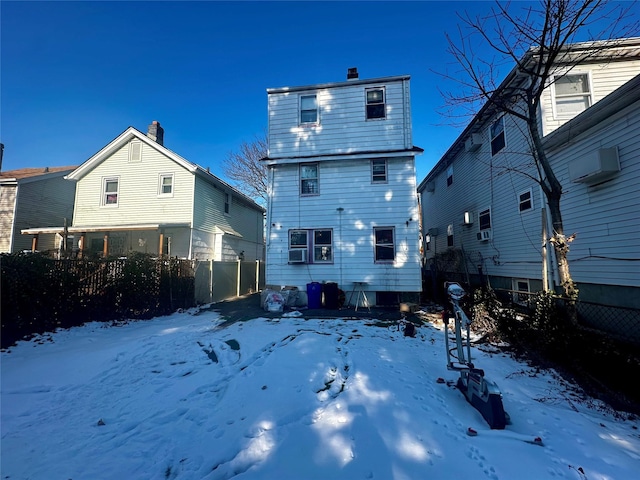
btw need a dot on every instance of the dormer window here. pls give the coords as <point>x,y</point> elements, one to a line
<point>308,109</point>
<point>375,103</point>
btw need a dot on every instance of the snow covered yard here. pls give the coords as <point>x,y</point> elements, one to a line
<point>179,397</point>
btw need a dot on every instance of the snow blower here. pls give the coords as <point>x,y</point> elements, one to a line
<point>483,394</point>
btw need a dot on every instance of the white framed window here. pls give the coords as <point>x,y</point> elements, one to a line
<point>165,185</point>
<point>309,181</point>
<point>375,103</point>
<point>525,201</point>
<point>319,240</point>
<point>385,250</point>
<point>323,246</point>
<point>521,290</point>
<point>498,141</point>
<point>135,152</point>
<point>308,110</point>
<point>379,171</point>
<point>572,94</point>
<point>449,175</point>
<point>227,203</point>
<point>110,191</point>
<point>427,242</point>
<point>450,235</point>
<point>484,219</point>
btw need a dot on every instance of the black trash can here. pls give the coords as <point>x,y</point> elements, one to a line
<point>331,295</point>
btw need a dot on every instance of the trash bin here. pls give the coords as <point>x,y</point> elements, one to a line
<point>331,295</point>
<point>314,292</point>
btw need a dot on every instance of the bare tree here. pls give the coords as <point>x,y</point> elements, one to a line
<point>538,39</point>
<point>247,171</point>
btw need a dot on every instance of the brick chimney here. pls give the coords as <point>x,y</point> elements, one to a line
<point>352,74</point>
<point>156,132</point>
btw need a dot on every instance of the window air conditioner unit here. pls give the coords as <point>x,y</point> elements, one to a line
<point>298,255</point>
<point>484,235</point>
<point>473,143</point>
<point>595,167</point>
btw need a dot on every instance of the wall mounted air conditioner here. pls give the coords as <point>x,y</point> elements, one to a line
<point>484,235</point>
<point>595,167</point>
<point>298,255</point>
<point>468,218</point>
<point>473,143</point>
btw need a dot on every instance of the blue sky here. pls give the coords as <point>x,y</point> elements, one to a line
<point>76,74</point>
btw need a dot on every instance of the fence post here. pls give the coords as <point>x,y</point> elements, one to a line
<point>238,279</point>
<point>211,280</point>
<point>257,275</point>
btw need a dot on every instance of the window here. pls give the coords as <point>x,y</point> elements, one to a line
<point>450,235</point>
<point>484,219</point>
<point>521,291</point>
<point>385,250</point>
<point>525,201</point>
<point>322,246</point>
<point>308,109</point>
<point>378,171</point>
<point>165,187</point>
<point>572,94</point>
<point>110,190</point>
<point>450,175</point>
<point>297,239</point>
<point>375,103</point>
<point>497,136</point>
<point>135,152</point>
<point>227,203</point>
<point>309,179</point>
<point>427,242</point>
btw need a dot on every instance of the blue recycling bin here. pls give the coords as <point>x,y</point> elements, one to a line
<point>314,294</point>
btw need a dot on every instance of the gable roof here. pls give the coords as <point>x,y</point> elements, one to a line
<point>131,133</point>
<point>32,174</point>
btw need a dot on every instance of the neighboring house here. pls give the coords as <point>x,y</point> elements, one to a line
<point>342,189</point>
<point>34,197</point>
<point>137,195</point>
<point>481,218</point>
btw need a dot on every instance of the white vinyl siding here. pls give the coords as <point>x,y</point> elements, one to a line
<point>365,206</point>
<point>338,107</point>
<point>605,217</point>
<point>138,200</point>
<point>605,78</point>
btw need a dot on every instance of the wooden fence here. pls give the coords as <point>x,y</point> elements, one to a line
<point>40,294</point>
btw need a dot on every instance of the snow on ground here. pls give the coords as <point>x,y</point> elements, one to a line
<point>179,397</point>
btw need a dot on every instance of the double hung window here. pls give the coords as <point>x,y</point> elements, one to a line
<point>525,201</point>
<point>110,191</point>
<point>375,103</point>
<point>308,109</point>
<point>484,219</point>
<point>309,179</point>
<point>379,171</point>
<point>497,136</point>
<point>385,250</point>
<point>572,94</point>
<point>165,187</point>
<point>320,241</point>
